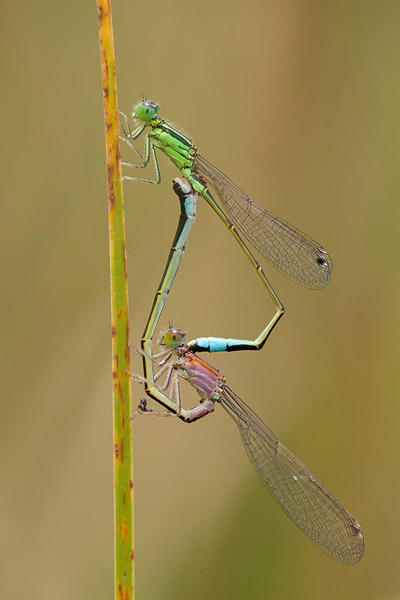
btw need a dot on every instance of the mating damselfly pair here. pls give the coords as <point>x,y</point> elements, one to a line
<point>307,502</point>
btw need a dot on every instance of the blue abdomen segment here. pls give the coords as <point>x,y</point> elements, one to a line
<point>217,344</point>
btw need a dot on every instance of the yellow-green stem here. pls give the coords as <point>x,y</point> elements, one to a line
<point>123,469</point>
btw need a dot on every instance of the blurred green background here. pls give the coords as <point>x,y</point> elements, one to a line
<point>299,103</point>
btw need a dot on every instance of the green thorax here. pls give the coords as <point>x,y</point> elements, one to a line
<point>174,144</point>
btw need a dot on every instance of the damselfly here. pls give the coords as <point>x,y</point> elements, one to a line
<point>295,254</point>
<point>309,504</point>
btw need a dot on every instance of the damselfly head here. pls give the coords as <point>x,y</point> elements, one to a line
<point>146,111</point>
<point>172,338</point>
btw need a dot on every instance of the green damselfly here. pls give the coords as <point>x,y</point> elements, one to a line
<point>295,254</point>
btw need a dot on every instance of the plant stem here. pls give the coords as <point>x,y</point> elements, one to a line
<point>123,468</point>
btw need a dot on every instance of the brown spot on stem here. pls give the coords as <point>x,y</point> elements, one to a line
<point>114,331</point>
<point>116,451</point>
<point>121,395</point>
<point>124,531</point>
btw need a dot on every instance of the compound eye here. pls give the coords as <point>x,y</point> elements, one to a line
<point>146,110</point>
<point>173,338</point>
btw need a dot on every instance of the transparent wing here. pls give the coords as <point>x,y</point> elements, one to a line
<point>301,495</point>
<point>295,254</point>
